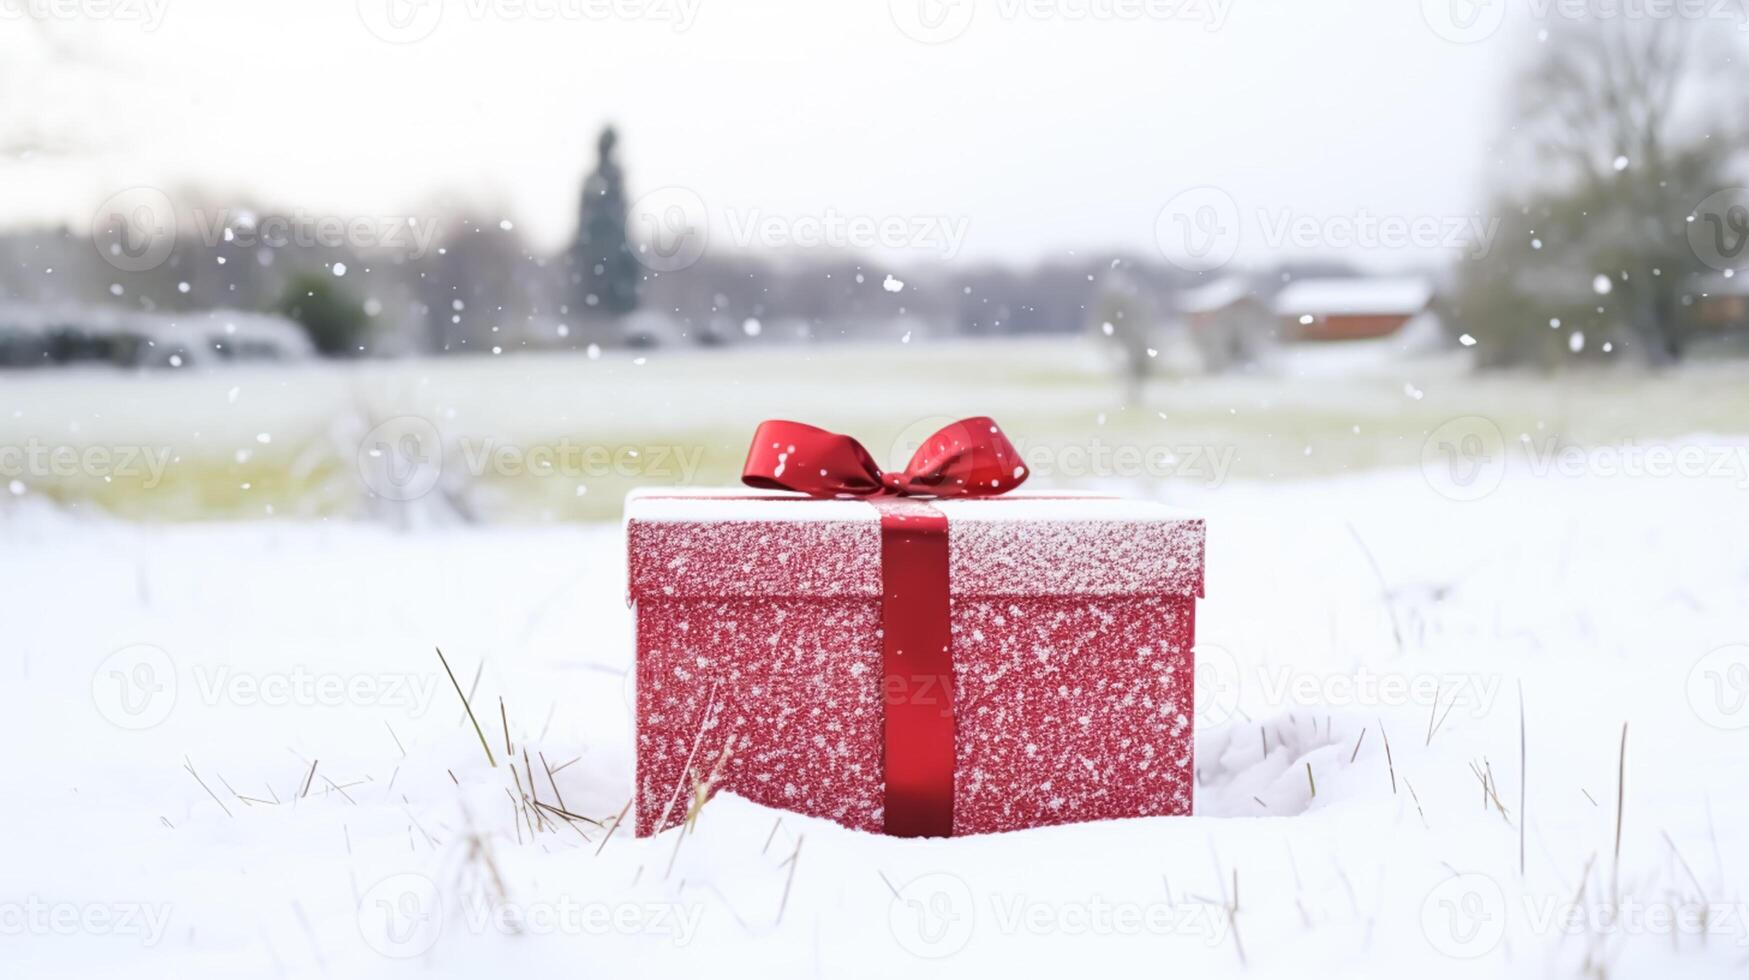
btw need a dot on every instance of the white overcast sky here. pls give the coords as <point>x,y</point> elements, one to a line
<point>1045,133</point>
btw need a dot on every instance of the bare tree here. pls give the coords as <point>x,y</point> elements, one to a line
<point>1619,128</point>
<point>1123,314</point>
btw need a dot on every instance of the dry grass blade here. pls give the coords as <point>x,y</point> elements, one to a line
<point>888,882</point>
<point>339,789</point>
<point>1420,812</point>
<point>551,781</point>
<point>528,768</point>
<point>1523,779</point>
<point>518,812</point>
<point>466,705</point>
<point>209,790</point>
<point>701,790</point>
<point>568,815</point>
<point>1494,789</point>
<point>230,789</point>
<point>1485,778</point>
<point>613,828</point>
<point>1434,730</point>
<point>526,803</point>
<point>789,882</point>
<point>1233,919</point>
<point>1684,862</point>
<point>1621,779</point>
<point>710,708</point>
<point>571,819</point>
<point>699,796</point>
<point>1389,762</point>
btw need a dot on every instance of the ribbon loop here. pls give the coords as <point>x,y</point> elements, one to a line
<point>970,458</point>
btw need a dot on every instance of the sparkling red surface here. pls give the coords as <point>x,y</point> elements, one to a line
<point>1069,705</point>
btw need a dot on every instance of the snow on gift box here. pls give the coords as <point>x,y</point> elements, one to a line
<point>964,664</point>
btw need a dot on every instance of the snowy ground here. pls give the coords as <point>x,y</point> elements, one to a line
<point>232,751</point>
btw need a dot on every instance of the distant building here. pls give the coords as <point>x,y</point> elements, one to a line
<point>1317,310</point>
<point>1353,325</point>
<point>46,336</point>
<point>1720,313</point>
<point>1721,304</point>
<point>1228,324</point>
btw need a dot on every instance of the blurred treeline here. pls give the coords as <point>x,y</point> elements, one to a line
<point>481,286</point>
<point>1617,182</point>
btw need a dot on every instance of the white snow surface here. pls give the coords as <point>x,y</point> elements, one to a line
<point>354,827</point>
<point>687,504</point>
<point>1354,297</point>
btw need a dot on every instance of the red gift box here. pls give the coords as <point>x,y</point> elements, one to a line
<point>776,627</point>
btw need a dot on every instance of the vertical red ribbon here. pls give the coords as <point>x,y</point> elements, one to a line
<point>970,458</point>
<point>917,669</point>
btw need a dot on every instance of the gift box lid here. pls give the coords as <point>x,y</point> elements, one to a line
<point>693,543</point>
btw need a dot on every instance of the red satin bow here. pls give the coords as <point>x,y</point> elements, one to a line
<point>970,458</point>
